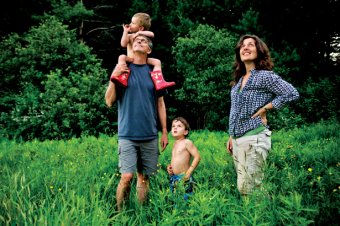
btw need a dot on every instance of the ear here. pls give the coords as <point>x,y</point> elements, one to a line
<point>149,51</point>
<point>186,132</point>
<point>141,28</point>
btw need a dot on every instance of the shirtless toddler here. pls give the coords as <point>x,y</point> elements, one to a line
<point>185,157</point>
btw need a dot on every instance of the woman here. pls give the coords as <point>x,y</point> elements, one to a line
<point>256,89</point>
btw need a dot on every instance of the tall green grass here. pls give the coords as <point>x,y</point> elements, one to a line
<point>73,183</point>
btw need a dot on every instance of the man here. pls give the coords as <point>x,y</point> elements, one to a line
<point>140,107</point>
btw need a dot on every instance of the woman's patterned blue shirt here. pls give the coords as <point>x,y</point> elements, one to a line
<point>261,88</point>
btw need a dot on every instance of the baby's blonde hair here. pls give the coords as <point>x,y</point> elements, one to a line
<point>144,20</point>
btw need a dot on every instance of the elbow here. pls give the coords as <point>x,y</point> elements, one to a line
<point>108,103</point>
<point>297,95</point>
<point>123,44</point>
<point>198,159</point>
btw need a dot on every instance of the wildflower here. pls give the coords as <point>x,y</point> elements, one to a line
<point>310,169</point>
<point>51,187</point>
<point>319,178</point>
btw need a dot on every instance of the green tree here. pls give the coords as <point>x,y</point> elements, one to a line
<point>55,85</point>
<point>203,60</point>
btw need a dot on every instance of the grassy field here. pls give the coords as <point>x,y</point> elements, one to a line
<point>73,183</point>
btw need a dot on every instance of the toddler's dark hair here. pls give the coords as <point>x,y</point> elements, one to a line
<point>185,123</point>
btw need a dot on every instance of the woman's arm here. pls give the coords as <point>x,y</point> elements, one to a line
<point>284,91</point>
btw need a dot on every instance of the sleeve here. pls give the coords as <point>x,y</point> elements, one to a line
<point>283,91</point>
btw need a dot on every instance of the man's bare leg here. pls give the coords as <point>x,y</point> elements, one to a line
<point>142,187</point>
<point>123,189</point>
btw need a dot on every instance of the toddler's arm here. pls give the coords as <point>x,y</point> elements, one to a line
<point>149,34</point>
<point>125,37</point>
<point>192,149</point>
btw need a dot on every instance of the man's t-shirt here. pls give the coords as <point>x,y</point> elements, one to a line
<point>137,105</point>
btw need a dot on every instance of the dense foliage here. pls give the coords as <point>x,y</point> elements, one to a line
<point>58,85</point>
<point>73,183</point>
<point>205,89</point>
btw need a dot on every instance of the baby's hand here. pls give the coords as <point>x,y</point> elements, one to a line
<point>126,27</point>
<point>134,35</point>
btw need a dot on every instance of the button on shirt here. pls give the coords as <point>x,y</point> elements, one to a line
<point>261,88</point>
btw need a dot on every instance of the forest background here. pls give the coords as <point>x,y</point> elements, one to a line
<point>58,139</point>
<point>57,56</point>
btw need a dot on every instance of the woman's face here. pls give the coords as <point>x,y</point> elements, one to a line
<point>248,51</point>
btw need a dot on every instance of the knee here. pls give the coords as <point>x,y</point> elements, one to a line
<point>126,178</point>
<point>157,62</point>
<point>142,179</point>
<point>122,58</point>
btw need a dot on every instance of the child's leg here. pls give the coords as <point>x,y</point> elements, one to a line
<point>157,75</point>
<point>123,78</point>
<point>123,59</point>
<point>155,63</point>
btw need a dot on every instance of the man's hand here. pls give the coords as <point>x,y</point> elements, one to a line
<point>164,141</point>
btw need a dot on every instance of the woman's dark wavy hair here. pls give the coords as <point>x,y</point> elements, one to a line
<point>262,62</point>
